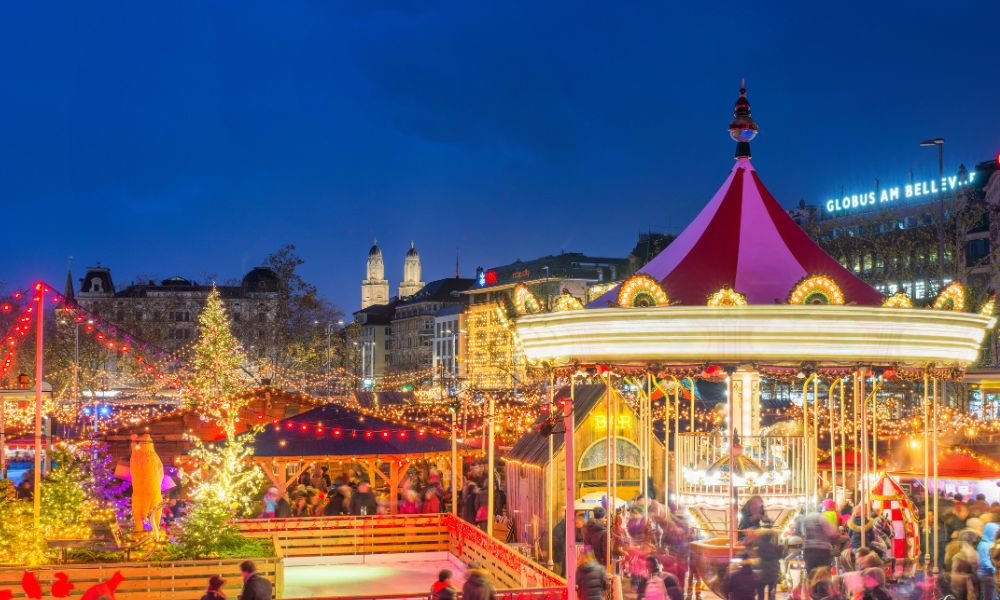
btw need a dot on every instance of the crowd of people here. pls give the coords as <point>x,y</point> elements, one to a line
<point>317,493</point>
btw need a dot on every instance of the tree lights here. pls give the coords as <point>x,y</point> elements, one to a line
<point>525,302</point>
<point>566,301</point>
<point>816,289</point>
<point>898,300</point>
<point>951,298</point>
<point>642,291</point>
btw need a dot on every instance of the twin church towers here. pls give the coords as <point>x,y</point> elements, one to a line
<point>375,287</point>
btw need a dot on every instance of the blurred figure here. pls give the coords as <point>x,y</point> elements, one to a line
<point>591,578</point>
<point>363,501</point>
<point>817,540</point>
<point>752,515</point>
<point>742,583</point>
<point>410,504</point>
<point>432,501</point>
<point>478,586</point>
<point>963,582</point>
<point>595,535</point>
<point>986,571</point>
<point>769,553</point>
<point>875,585</point>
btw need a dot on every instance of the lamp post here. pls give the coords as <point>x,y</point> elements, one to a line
<point>939,142</point>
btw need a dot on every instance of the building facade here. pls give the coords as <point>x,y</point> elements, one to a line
<point>917,237</point>
<point>445,345</point>
<point>374,287</point>
<point>411,283</point>
<point>490,357</point>
<point>375,339</point>
<point>411,346</point>
<point>166,313</point>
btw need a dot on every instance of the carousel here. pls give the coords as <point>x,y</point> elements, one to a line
<point>745,297</point>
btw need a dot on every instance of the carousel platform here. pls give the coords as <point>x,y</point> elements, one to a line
<point>411,573</point>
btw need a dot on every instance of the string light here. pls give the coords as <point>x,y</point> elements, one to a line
<point>566,301</point>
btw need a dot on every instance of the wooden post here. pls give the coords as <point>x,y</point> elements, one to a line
<point>570,426</point>
<point>454,463</point>
<point>40,307</point>
<point>491,460</point>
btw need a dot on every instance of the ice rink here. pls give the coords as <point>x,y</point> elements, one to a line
<point>410,573</point>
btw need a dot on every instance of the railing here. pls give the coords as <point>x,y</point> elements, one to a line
<point>337,536</point>
<point>780,458</point>
<point>150,580</point>
<point>526,594</point>
<point>515,575</point>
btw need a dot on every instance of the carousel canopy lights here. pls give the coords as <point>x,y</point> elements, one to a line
<point>566,302</point>
<point>951,298</point>
<point>525,302</point>
<point>727,296</point>
<point>642,291</point>
<point>898,300</point>
<point>816,289</point>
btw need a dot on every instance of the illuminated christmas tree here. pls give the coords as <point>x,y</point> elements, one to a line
<point>218,362</point>
<point>224,482</point>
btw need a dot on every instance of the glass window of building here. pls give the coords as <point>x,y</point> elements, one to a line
<point>920,289</point>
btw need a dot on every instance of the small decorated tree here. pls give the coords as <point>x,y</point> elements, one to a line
<point>224,483</point>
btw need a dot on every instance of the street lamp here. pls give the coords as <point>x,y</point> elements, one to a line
<point>939,142</point>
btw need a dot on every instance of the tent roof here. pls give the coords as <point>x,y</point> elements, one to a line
<point>336,431</point>
<point>957,462</point>
<point>745,240</point>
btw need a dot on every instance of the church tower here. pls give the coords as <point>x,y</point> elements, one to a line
<point>411,283</point>
<point>375,288</point>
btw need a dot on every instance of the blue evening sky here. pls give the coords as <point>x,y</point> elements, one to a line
<point>195,137</point>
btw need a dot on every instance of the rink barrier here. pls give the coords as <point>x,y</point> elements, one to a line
<point>179,580</point>
<point>511,571</point>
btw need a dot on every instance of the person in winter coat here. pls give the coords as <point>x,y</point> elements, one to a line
<point>214,591</point>
<point>986,571</point>
<point>591,578</point>
<point>339,503</point>
<point>741,584</point>
<point>410,504</point>
<point>255,587</point>
<point>830,512</point>
<point>817,540</point>
<point>363,501</point>
<point>596,536</point>
<point>442,588</point>
<point>478,587</point>
<point>963,582</point>
<point>432,502</point>
<point>469,495</point>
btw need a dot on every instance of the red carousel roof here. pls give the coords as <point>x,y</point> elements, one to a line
<point>744,239</point>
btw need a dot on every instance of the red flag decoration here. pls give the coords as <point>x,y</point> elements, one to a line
<point>104,589</point>
<point>61,586</point>
<point>30,585</point>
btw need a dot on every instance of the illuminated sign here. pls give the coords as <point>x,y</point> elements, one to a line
<point>490,277</point>
<point>909,191</point>
<point>624,422</point>
<point>520,274</point>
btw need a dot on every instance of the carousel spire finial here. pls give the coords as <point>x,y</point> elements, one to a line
<point>742,128</point>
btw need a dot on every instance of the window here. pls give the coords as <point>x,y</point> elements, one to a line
<point>879,263</point>
<point>977,252</point>
<point>857,265</point>
<point>868,262</point>
<point>920,289</point>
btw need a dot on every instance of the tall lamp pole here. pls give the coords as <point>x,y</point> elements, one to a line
<point>939,142</point>
<point>40,307</point>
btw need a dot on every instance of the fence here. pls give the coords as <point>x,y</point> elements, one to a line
<point>336,536</point>
<point>148,580</point>
<point>516,575</point>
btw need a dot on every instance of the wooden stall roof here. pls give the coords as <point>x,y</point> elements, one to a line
<point>169,429</point>
<point>336,431</point>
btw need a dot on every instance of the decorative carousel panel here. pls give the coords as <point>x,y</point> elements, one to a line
<point>777,333</point>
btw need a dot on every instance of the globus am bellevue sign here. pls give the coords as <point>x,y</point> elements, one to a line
<point>917,189</point>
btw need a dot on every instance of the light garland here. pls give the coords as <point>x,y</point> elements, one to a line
<point>951,298</point>
<point>525,302</point>
<point>816,289</point>
<point>641,291</point>
<point>727,296</point>
<point>898,300</point>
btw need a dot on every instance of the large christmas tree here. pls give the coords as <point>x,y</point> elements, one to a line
<point>218,362</point>
<point>224,482</point>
